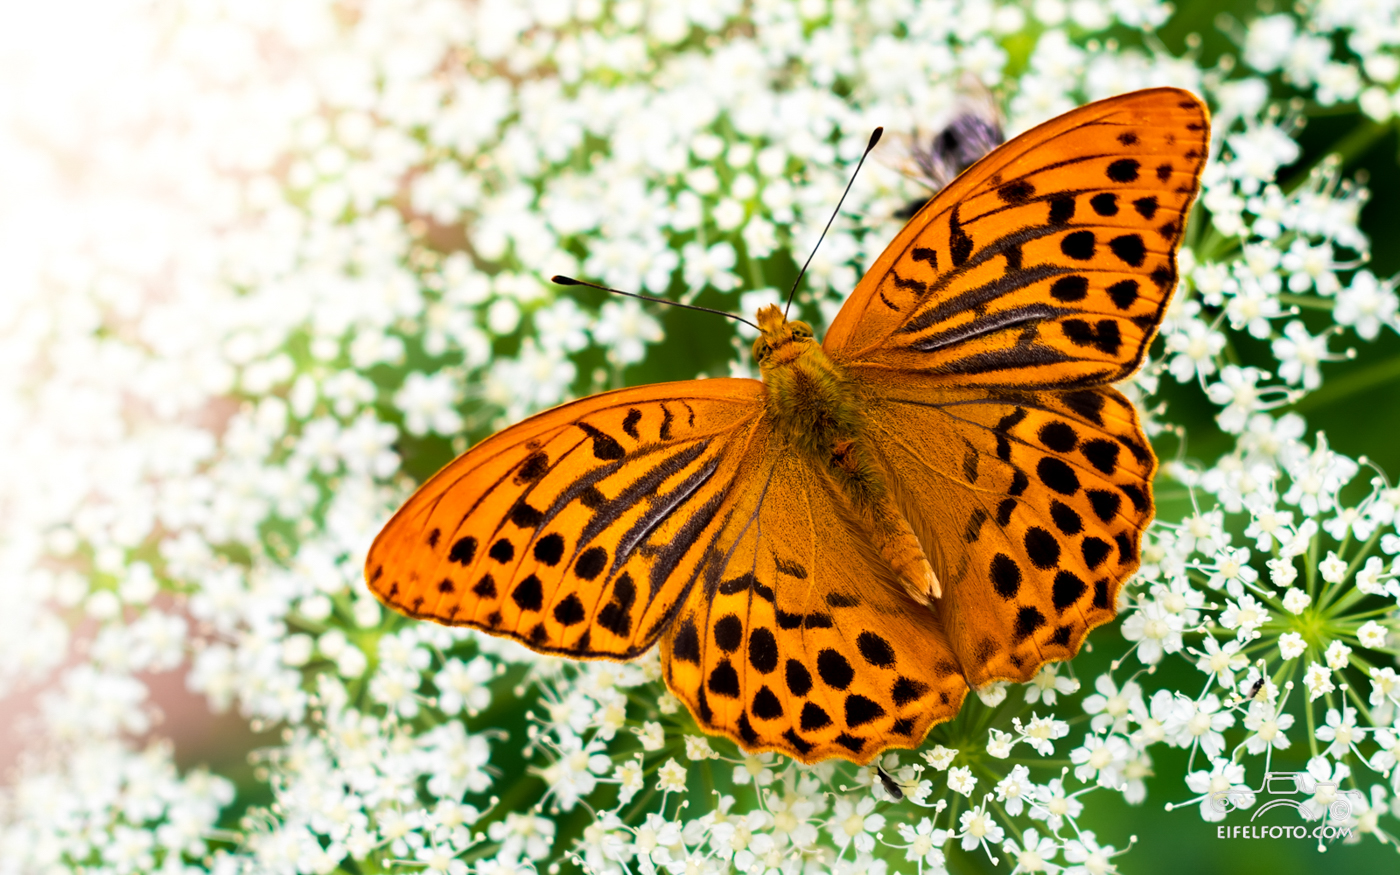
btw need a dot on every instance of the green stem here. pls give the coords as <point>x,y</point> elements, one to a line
<point>1351,147</point>
<point>1307,302</point>
<point>1357,381</point>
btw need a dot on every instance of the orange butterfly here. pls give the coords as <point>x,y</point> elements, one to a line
<point>945,492</point>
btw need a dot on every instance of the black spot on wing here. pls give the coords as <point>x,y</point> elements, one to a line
<point>1078,245</point>
<point>686,647</point>
<point>463,551</point>
<point>763,650</point>
<point>875,650</point>
<point>833,668</point>
<point>1123,170</point>
<point>549,549</point>
<point>1028,619</point>
<point>529,594</point>
<point>570,612</point>
<point>1066,590</point>
<point>799,679</point>
<point>1123,293</point>
<point>724,680</point>
<point>605,447</point>
<point>1005,576</point>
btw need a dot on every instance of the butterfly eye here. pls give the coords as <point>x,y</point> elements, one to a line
<point>760,350</point>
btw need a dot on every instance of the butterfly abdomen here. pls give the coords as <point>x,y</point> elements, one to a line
<point>814,407</point>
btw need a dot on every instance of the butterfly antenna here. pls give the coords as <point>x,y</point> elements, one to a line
<point>570,281</point>
<point>874,138</point>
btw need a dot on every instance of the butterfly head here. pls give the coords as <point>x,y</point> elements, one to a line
<point>780,340</point>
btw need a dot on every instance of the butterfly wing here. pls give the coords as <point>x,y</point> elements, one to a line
<point>1035,503</point>
<point>796,637</point>
<point>579,530</point>
<point>983,338</point>
<point>1048,263</point>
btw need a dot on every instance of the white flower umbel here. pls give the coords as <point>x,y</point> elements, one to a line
<point>307,259</point>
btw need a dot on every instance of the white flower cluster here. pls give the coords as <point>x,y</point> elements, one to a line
<point>269,262</point>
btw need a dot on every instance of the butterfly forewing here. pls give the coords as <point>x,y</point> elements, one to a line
<point>1048,263</point>
<point>798,639</point>
<point>577,530</point>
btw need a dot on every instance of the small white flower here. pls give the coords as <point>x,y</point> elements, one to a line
<point>1268,726</point>
<point>992,694</point>
<point>1318,680</point>
<point>652,736</point>
<point>1385,685</point>
<point>1372,635</point>
<point>1337,655</point>
<point>1299,354</point>
<point>1102,759</point>
<point>1110,706</point>
<point>1245,615</point>
<point>1295,601</point>
<point>855,823</point>
<point>575,773</point>
<point>1034,853</point>
<point>1041,732</point>
<point>1047,684</point>
<point>940,757</point>
<point>625,329</point>
<point>1156,630</point>
<point>464,685</point>
<point>1198,722</point>
<point>671,777</point>
<point>1052,805</point>
<point>697,747</point>
<point>960,780</point>
<point>1368,579</point>
<point>1333,569</point>
<point>1222,788</point>
<point>1090,858</point>
<point>999,744</point>
<point>1014,789</point>
<point>1291,645</point>
<point>978,827</point>
<point>925,843</point>
<point>1341,730</point>
<point>1220,661</point>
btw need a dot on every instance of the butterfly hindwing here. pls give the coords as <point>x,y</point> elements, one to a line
<point>1047,263</point>
<point>796,638</point>
<point>576,531</point>
<point>1041,501</point>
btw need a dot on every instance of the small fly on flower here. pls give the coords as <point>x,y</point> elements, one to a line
<point>1254,689</point>
<point>896,792</point>
<point>1252,693</point>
